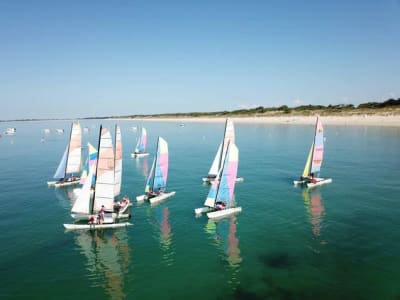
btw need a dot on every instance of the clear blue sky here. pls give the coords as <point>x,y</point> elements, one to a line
<point>101,58</point>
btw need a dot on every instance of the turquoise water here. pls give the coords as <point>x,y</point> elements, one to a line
<point>340,241</point>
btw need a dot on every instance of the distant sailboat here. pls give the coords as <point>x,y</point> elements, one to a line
<point>229,136</point>
<point>314,160</point>
<point>219,202</point>
<point>140,149</point>
<point>157,180</point>
<point>71,161</point>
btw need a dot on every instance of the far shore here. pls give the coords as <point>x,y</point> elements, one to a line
<point>354,120</point>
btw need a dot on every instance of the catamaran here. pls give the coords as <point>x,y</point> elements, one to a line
<point>229,136</point>
<point>140,149</point>
<point>157,180</point>
<point>71,162</point>
<point>314,160</point>
<point>86,206</point>
<point>219,202</point>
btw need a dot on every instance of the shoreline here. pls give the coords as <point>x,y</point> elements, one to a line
<point>354,120</point>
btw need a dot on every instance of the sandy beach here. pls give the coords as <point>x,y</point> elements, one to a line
<point>354,120</point>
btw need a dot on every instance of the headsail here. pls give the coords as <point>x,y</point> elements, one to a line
<point>141,144</point>
<point>104,188</point>
<point>60,172</point>
<point>306,171</point>
<point>82,203</point>
<point>90,164</point>
<point>118,161</point>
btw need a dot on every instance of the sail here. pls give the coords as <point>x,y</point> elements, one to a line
<point>157,179</point>
<point>118,161</point>
<point>75,150</point>
<point>104,188</point>
<point>149,182</point>
<point>161,167</point>
<point>141,144</point>
<point>229,136</point>
<point>318,151</point>
<point>215,165</point>
<point>228,176</point>
<point>82,203</point>
<point>306,171</point>
<point>222,188</point>
<point>90,164</point>
<point>60,172</point>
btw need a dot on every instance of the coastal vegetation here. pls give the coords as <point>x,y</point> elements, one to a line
<point>388,107</point>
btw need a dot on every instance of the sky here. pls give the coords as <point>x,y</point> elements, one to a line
<point>72,59</point>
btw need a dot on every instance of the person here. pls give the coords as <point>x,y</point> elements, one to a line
<point>220,205</point>
<point>91,220</point>
<point>98,221</point>
<point>159,191</point>
<point>125,201</point>
<point>102,213</point>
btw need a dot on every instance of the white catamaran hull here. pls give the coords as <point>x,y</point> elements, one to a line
<point>134,155</point>
<point>223,213</point>
<point>201,210</point>
<point>95,226</point>
<point>62,183</point>
<point>319,182</point>
<point>210,180</point>
<point>161,197</point>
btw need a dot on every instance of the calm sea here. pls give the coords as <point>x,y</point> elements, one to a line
<point>340,241</point>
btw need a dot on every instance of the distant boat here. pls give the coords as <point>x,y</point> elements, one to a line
<point>215,169</point>
<point>219,202</point>
<point>59,131</point>
<point>46,130</point>
<point>157,179</point>
<point>71,162</point>
<point>10,131</point>
<point>86,206</point>
<point>140,149</point>
<point>314,160</point>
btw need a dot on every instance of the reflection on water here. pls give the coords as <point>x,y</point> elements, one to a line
<point>108,259</point>
<point>163,232</point>
<point>65,196</point>
<point>223,233</point>
<point>142,166</point>
<point>315,209</point>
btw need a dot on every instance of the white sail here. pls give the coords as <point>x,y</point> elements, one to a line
<point>104,188</point>
<point>215,165</point>
<point>82,203</point>
<point>118,161</point>
<point>229,136</point>
<point>74,161</point>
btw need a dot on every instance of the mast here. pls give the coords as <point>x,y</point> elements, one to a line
<point>69,145</point>
<point>223,144</point>
<point>97,164</point>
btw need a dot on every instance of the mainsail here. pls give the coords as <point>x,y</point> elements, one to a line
<point>222,189</point>
<point>157,179</point>
<point>71,160</point>
<point>104,187</point>
<point>82,203</point>
<point>229,136</point>
<point>118,161</point>
<point>318,151</point>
